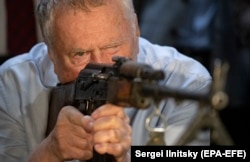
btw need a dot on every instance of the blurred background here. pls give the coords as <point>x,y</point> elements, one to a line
<point>203,29</point>
<point>208,30</point>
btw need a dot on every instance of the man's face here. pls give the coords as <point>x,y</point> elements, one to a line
<point>96,36</point>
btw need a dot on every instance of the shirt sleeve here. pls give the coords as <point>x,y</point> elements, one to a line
<point>13,146</point>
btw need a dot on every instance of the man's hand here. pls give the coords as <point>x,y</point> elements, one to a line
<point>112,132</point>
<point>75,135</point>
<point>71,138</point>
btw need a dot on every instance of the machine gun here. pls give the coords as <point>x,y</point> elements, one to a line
<point>124,83</point>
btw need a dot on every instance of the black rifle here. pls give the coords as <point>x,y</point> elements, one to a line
<point>125,83</point>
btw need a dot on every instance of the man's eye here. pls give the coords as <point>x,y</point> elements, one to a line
<point>110,50</point>
<point>80,53</point>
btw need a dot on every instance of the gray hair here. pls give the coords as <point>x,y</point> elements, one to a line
<point>46,8</point>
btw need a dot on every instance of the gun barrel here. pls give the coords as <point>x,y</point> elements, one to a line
<point>159,92</point>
